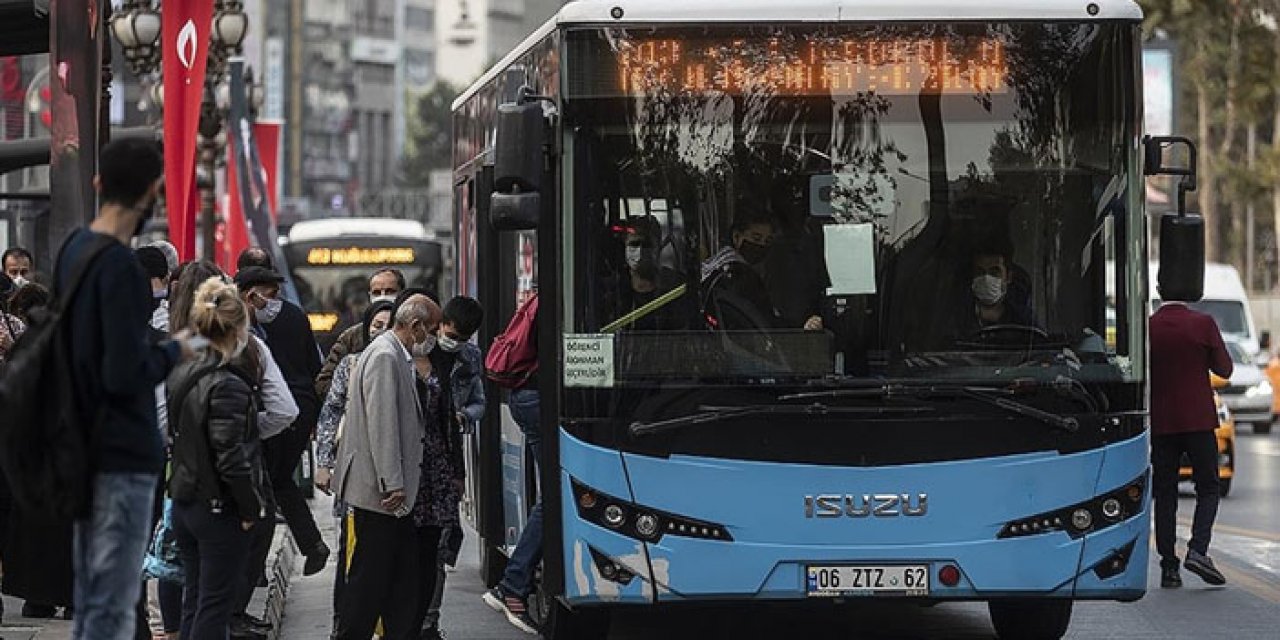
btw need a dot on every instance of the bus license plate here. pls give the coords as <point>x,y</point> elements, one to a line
<point>898,580</point>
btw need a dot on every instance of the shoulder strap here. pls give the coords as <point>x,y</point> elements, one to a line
<point>97,245</point>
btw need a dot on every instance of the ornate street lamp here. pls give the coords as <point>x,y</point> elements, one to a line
<point>136,25</point>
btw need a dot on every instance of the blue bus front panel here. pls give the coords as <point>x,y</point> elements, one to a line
<point>776,532</point>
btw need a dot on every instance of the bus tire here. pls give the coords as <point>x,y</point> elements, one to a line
<point>1028,619</point>
<point>583,623</point>
<point>1262,428</point>
<point>492,564</point>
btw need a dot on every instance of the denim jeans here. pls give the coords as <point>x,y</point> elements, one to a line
<point>1201,448</point>
<point>107,551</point>
<point>517,580</point>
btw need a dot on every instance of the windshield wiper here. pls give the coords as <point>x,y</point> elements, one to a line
<point>982,394</point>
<point>708,414</point>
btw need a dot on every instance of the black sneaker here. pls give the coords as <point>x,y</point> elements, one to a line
<point>242,630</point>
<point>511,606</point>
<point>246,621</point>
<point>1170,578</point>
<point>1200,564</point>
<point>316,559</point>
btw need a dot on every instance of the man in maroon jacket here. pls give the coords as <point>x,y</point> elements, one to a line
<point>1185,347</point>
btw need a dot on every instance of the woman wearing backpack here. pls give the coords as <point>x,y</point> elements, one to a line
<point>218,482</point>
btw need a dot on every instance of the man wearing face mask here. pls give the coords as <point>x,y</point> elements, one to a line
<point>384,285</point>
<point>157,269</point>
<point>116,368</point>
<point>378,474</point>
<point>645,280</point>
<point>17,265</point>
<point>287,332</point>
<point>996,300</point>
<point>734,294</point>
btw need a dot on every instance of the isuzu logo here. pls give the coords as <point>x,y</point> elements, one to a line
<point>880,505</point>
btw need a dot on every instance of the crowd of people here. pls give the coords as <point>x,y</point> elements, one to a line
<point>199,392</point>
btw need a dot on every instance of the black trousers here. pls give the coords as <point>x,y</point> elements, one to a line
<point>428,541</point>
<point>282,453</point>
<point>214,550</point>
<point>261,536</point>
<point>382,579</point>
<point>1201,448</point>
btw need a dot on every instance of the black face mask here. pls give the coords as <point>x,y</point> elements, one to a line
<point>753,252</point>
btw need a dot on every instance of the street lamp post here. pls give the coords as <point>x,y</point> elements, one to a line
<point>136,24</point>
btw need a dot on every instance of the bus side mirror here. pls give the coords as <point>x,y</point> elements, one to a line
<point>519,166</point>
<point>1181,257</point>
<point>1181,274</point>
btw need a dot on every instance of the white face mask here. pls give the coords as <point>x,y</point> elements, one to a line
<point>449,345</point>
<point>20,282</point>
<point>989,290</point>
<point>377,299</point>
<point>424,348</point>
<point>634,256</point>
<point>270,312</point>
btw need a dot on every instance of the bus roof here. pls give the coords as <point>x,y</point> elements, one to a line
<point>333,228</point>
<point>774,11</point>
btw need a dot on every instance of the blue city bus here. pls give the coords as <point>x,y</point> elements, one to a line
<point>824,303</point>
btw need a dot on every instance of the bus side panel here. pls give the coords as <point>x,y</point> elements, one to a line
<point>601,469</point>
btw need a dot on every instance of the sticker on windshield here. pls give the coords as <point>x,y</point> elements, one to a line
<point>588,360</point>
<point>850,252</point>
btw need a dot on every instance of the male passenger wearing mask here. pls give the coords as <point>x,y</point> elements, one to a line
<point>287,332</point>
<point>645,280</point>
<point>735,296</point>
<point>380,464</point>
<point>384,286</point>
<point>995,297</point>
<point>17,265</point>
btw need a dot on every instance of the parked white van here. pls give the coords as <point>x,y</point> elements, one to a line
<point>1224,299</point>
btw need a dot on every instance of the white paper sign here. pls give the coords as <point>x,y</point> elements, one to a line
<point>851,263</point>
<point>588,360</point>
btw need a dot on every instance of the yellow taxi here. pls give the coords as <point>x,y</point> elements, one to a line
<point>1273,374</point>
<point>1226,434</point>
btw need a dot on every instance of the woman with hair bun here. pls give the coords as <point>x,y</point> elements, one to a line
<point>218,481</point>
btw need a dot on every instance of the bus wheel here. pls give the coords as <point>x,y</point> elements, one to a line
<point>1030,619</point>
<point>1262,428</point>
<point>492,564</point>
<point>583,623</point>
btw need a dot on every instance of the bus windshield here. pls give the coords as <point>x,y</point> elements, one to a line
<point>895,200</point>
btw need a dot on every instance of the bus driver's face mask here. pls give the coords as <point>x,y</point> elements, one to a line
<point>989,290</point>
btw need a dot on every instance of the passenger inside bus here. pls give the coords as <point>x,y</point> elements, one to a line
<point>646,281</point>
<point>734,295</point>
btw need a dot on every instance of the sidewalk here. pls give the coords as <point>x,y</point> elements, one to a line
<point>309,614</point>
<point>267,602</point>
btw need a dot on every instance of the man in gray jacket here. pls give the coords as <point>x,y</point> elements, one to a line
<point>377,472</point>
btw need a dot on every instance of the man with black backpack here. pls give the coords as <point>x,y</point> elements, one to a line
<point>101,341</point>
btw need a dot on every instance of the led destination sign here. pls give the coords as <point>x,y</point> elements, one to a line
<point>322,256</point>
<point>812,66</point>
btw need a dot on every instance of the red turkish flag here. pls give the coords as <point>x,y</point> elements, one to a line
<point>267,135</point>
<point>185,38</point>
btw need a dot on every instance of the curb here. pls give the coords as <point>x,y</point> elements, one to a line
<point>284,564</point>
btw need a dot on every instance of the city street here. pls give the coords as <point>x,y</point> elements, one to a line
<point>1246,547</point>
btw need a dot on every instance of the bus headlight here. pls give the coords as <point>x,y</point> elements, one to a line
<point>1086,517</point>
<point>638,521</point>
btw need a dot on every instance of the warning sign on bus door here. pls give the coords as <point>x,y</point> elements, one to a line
<point>588,360</point>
